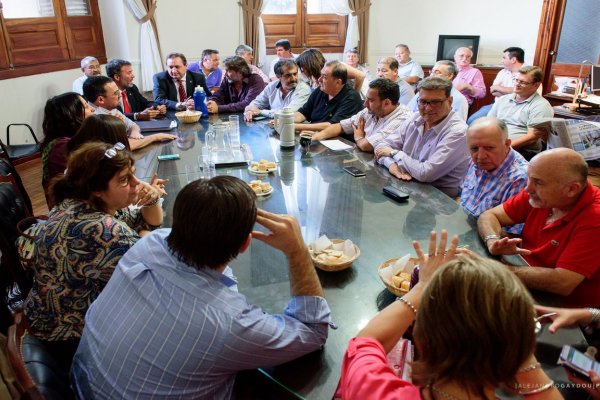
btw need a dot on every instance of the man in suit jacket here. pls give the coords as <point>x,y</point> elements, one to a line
<point>175,87</point>
<point>133,104</point>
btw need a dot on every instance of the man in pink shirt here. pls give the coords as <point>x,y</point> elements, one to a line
<point>469,80</point>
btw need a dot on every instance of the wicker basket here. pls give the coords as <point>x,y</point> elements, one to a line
<point>188,117</point>
<point>407,268</point>
<point>334,267</point>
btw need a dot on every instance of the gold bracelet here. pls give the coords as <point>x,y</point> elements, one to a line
<point>408,304</point>
<point>538,390</point>
<point>530,367</point>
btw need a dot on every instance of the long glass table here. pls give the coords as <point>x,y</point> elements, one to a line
<point>311,185</point>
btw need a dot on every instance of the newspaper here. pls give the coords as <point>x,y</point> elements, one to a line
<point>581,136</point>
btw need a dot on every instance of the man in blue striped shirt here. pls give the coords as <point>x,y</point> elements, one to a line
<point>170,322</point>
<point>496,171</point>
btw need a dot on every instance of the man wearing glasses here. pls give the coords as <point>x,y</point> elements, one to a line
<point>90,67</point>
<point>518,110</point>
<point>431,146</point>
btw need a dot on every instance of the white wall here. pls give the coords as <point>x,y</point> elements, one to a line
<point>189,26</point>
<point>418,23</point>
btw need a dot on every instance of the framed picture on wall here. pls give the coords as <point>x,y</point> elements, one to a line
<point>448,44</point>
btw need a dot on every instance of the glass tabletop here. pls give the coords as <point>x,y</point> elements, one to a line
<point>311,185</point>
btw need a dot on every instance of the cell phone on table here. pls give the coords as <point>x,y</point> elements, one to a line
<point>166,157</point>
<point>354,171</point>
<point>575,360</point>
<point>395,194</point>
<point>258,118</point>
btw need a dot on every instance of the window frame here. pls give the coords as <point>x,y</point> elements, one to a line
<point>300,30</point>
<point>62,41</point>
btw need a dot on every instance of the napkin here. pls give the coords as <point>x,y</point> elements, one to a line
<point>391,270</point>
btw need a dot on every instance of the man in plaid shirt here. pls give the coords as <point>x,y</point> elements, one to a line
<point>496,171</point>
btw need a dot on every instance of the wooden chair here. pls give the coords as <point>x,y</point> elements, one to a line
<point>15,335</point>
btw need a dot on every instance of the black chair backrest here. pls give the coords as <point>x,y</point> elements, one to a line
<point>12,210</point>
<point>6,169</point>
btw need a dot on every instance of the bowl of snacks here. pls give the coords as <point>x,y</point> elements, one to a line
<point>334,254</point>
<point>188,116</point>
<point>396,273</point>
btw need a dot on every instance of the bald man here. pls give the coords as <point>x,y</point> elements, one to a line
<point>561,212</point>
<point>496,171</point>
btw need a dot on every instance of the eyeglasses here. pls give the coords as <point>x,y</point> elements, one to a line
<point>521,83</point>
<point>432,103</point>
<point>93,67</point>
<point>110,153</point>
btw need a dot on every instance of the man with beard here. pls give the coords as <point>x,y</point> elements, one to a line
<point>380,117</point>
<point>133,104</point>
<point>560,209</point>
<point>287,91</point>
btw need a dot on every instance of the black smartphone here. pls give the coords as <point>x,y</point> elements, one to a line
<point>354,171</point>
<point>395,194</point>
<point>577,361</point>
<point>258,118</point>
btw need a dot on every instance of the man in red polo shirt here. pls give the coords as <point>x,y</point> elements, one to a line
<point>561,211</point>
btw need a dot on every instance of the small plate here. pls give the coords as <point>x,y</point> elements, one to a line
<point>263,194</point>
<point>257,172</point>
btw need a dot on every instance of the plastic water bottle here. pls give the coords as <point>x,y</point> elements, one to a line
<point>200,101</point>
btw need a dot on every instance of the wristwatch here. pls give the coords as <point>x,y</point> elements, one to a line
<point>394,152</point>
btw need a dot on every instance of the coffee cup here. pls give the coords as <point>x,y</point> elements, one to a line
<point>305,139</point>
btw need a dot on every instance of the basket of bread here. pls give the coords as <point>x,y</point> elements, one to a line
<point>188,116</point>
<point>333,254</point>
<point>395,274</point>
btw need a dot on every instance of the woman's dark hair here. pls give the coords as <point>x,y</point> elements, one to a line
<point>99,128</point>
<point>89,170</point>
<point>475,325</point>
<point>211,221</point>
<point>311,62</point>
<point>63,115</point>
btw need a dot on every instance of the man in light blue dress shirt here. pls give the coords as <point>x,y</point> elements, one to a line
<point>170,322</point>
<point>286,91</point>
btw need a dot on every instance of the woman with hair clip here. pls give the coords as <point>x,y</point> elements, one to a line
<point>311,62</point>
<point>474,331</point>
<point>85,235</point>
<point>63,115</point>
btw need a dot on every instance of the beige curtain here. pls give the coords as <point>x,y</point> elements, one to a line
<point>150,6</point>
<point>251,13</point>
<point>360,9</point>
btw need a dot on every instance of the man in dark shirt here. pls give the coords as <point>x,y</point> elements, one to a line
<point>331,103</point>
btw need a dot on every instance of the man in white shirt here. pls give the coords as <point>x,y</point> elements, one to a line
<point>287,91</point>
<point>381,116</point>
<point>104,95</point>
<point>90,67</point>
<point>284,52</point>
<point>409,69</point>
<point>513,59</point>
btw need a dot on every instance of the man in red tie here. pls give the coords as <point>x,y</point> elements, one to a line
<point>133,104</point>
<point>174,88</point>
